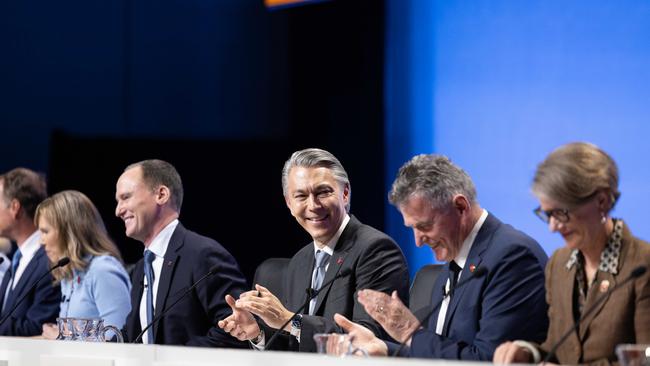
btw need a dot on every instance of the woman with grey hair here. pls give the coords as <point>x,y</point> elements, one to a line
<point>577,188</point>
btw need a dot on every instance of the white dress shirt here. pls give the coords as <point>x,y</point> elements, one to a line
<point>460,260</point>
<point>159,247</point>
<point>28,248</point>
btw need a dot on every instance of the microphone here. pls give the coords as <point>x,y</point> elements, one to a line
<point>62,262</point>
<point>636,273</point>
<point>478,272</point>
<point>311,293</point>
<point>157,318</point>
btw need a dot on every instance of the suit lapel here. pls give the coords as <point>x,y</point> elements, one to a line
<point>459,293</point>
<point>592,297</point>
<point>3,288</point>
<point>25,278</point>
<point>567,291</point>
<point>481,243</point>
<point>335,263</point>
<point>137,290</point>
<point>167,272</point>
<point>303,278</point>
<point>338,258</point>
<point>438,295</point>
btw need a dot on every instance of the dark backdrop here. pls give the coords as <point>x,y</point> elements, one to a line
<point>225,90</point>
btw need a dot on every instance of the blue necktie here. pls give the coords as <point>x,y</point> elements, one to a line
<point>14,266</point>
<point>149,257</point>
<point>318,276</point>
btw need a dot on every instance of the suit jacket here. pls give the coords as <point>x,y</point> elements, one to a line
<point>377,263</point>
<point>193,320</point>
<point>624,317</point>
<point>41,304</point>
<point>504,304</point>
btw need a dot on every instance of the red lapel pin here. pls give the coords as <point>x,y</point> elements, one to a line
<point>339,260</point>
<point>472,268</point>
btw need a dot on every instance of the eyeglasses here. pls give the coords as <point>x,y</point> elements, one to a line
<point>560,214</point>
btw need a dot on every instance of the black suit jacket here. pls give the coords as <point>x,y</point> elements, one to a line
<point>41,304</point>
<point>377,263</point>
<point>193,320</point>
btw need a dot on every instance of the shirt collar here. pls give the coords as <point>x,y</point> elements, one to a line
<point>610,255</point>
<point>29,247</point>
<point>329,248</point>
<point>160,243</point>
<point>461,258</point>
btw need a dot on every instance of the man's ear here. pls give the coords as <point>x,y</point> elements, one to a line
<point>163,195</point>
<point>346,193</point>
<point>461,203</point>
<point>15,208</point>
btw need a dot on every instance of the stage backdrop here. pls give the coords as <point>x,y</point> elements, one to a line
<point>496,85</point>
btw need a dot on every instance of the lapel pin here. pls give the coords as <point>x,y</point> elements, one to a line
<point>169,263</point>
<point>339,260</point>
<point>472,267</point>
<point>604,286</point>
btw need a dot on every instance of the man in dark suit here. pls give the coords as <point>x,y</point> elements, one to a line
<point>438,201</point>
<point>21,190</point>
<point>317,192</point>
<point>149,196</point>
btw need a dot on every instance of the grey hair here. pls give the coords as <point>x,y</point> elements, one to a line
<point>316,158</point>
<point>157,173</point>
<point>433,177</point>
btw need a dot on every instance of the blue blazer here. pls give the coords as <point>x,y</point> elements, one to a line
<point>41,304</point>
<point>193,320</point>
<point>507,303</point>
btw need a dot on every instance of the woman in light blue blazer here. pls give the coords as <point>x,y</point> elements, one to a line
<point>95,283</point>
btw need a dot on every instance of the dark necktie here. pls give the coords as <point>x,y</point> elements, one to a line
<point>149,257</point>
<point>454,271</point>
<point>14,266</point>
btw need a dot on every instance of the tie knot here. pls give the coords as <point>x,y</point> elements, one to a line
<point>17,256</point>
<point>321,258</point>
<point>454,267</point>
<point>149,256</point>
<point>16,260</point>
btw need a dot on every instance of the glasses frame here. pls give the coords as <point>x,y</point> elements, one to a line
<point>560,214</point>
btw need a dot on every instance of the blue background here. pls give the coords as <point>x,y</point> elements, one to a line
<point>496,85</point>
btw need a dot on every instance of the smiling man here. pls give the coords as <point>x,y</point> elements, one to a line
<point>149,196</point>
<point>317,192</point>
<point>438,201</point>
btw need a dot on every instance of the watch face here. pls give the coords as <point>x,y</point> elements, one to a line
<point>297,321</point>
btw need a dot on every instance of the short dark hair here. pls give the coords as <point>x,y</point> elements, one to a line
<point>26,186</point>
<point>157,172</point>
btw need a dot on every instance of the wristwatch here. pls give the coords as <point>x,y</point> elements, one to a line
<point>259,337</point>
<point>296,324</point>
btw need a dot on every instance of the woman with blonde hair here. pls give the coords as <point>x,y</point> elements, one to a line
<point>577,188</point>
<point>95,283</point>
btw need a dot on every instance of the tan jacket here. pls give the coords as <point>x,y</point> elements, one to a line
<point>624,317</point>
